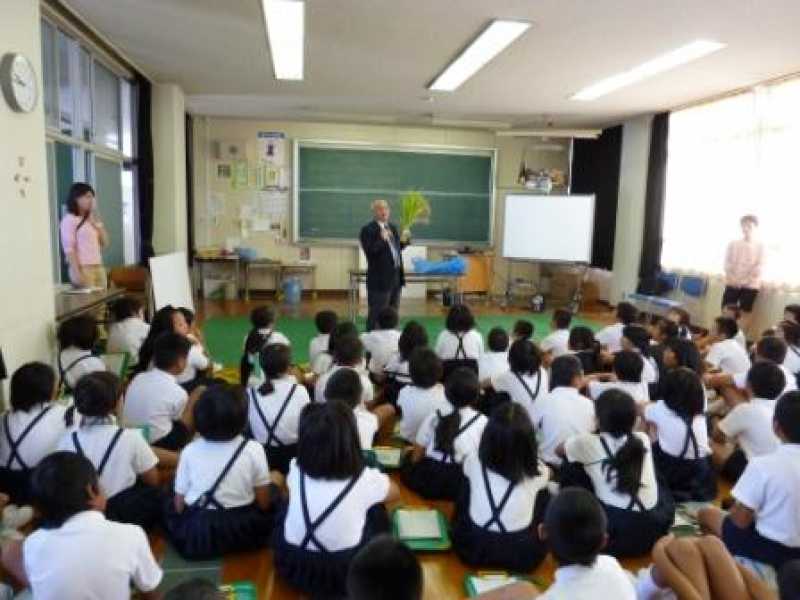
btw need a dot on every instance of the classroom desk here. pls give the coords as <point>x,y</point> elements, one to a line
<point>360,276</point>
<point>261,264</point>
<point>201,261</point>
<point>302,268</point>
<point>70,305</point>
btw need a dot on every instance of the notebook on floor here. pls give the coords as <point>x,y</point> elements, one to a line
<point>421,529</point>
<point>388,457</point>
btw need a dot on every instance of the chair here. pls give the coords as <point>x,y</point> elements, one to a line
<point>135,280</point>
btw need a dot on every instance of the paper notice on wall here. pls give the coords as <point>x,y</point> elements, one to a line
<point>261,224</point>
<point>271,147</point>
<point>216,206</point>
<point>240,175</point>
<point>273,205</point>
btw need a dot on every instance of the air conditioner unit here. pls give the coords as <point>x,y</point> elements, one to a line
<point>229,150</point>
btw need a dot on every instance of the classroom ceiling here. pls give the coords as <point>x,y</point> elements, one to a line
<point>370,60</point>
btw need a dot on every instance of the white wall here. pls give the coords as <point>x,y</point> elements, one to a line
<point>25,265</point>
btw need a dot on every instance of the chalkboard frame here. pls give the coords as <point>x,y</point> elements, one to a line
<point>491,153</point>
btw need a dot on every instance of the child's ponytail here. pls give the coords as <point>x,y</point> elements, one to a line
<point>627,465</point>
<point>275,360</point>
<point>616,416</point>
<point>461,390</point>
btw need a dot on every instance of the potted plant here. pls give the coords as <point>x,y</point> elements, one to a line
<point>414,208</point>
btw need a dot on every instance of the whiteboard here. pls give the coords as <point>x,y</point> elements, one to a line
<point>171,282</point>
<point>556,228</point>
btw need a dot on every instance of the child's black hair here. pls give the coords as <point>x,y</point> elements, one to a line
<point>772,348</point>
<point>345,386</point>
<point>461,389</point>
<point>275,360</point>
<point>793,309</point>
<point>220,413</point>
<point>332,426</point>
<point>125,308</point>
<point>562,318</point>
<point>326,320</point>
<point>194,589</point>
<point>616,415</point>
<point>187,313</point>
<point>627,313</point>
<point>97,394</point>
<point>639,337</point>
<point>261,317</point>
<point>425,368</point>
<point>684,394</point>
<point>387,318</point>
<point>508,444</point>
<point>628,366</point>
<point>384,569</point>
<point>524,357</point>
<point>459,319</point>
<point>684,318</point>
<point>76,191</point>
<point>523,329</point>
<point>497,340</point>
<point>162,323</point>
<point>80,332</point>
<point>575,524</point>
<point>60,487</point>
<point>733,309</point>
<point>563,371</point>
<point>727,327</point>
<point>32,384</point>
<point>668,329</point>
<point>168,349</point>
<point>766,379</point>
<point>341,330</point>
<point>791,332</point>
<point>582,338</point>
<point>412,336</point>
<point>787,416</point>
<point>686,354</point>
<point>349,351</point>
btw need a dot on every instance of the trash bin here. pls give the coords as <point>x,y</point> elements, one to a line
<point>292,290</point>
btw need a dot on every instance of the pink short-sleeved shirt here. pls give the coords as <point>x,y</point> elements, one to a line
<point>84,240</point>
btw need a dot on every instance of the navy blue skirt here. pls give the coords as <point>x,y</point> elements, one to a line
<point>322,574</point>
<point>432,479</point>
<point>751,544</point>
<point>17,484</point>
<point>140,504</point>
<point>634,532</point>
<point>688,479</point>
<point>279,457</point>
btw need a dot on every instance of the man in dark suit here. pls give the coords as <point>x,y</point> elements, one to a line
<point>382,245</point>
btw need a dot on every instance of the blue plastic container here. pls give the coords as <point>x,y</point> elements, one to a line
<point>292,290</point>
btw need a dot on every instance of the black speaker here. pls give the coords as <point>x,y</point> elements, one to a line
<point>3,371</point>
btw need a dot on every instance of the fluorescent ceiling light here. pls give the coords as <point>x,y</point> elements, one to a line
<point>285,24</point>
<point>586,134</point>
<point>491,42</point>
<point>660,64</point>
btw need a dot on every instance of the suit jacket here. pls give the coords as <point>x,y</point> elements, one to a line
<point>380,263</point>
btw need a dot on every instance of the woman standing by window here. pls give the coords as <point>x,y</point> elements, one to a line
<point>83,236</point>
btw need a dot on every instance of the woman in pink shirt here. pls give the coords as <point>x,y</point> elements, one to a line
<point>83,236</point>
<point>744,261</point>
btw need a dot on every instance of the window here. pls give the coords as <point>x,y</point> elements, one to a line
<point>86,95</point>
<point>67,71</point>
<point>106,94</point>
<point>49,74</point>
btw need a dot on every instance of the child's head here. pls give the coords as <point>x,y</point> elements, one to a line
<point>684,393</point>
<point>98,394</point>
<point>387,318</point>
<point>125,308</point>
<point>682,353</point>
<point>180,324</point>
<point>170,352</point>
<point>349,351</point>
<point>789,580</point>
<point>616,415</point>
<point>412,336</point>
<point>787,417</point>
<point>566,371</point>
<point>791,312</point>
<point>524,357</point>
<point>522,330</point>
<point>460,319</point>
<point>726,327</point>
<point>627,313</point>
<point>771,348</point>
<point>574,527</point>
<point>790,332</point>
<point>188,315</point>
<point>562,318</point>
<point>326,320</point>
<point>425,368</point>
<point>384,569</point>
<point>220,413</point>
<point>341,330</point>
<point>345,386</point>
<point>508,444</point>
<point>262,317</point>
<point>497,340</point>
<point>462,387</point>
<point>749,225</point>
<point>581,338</point>
<point>679,316</point>
<point>628,366</point>
<point>275,360</point>
<point>331,426</point>
<point>635,338</point>
<point>732,311</point>
<point>665,330</point>
<point>765,380</point>
<point>34,383</point>
<point>616,412</point>
<point>79,332</point>
<point>65,484</point>
<point>194,589</point>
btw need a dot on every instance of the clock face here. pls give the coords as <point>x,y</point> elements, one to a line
<point>19,82</point>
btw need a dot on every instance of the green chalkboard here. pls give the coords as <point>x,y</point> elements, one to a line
<point>336,185</point>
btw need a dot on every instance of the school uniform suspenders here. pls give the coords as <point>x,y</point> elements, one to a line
<point>531,395</point>
<point>79,449</point>
<point>446,456</point>
<point>635,501</point>
<point>496,509</point>
<point>690,438</point>
<point>62,372</point>
<point>207,498</point>
<point>312,526</point>
<point>271,435</point>
<point>13,445</point>
<point>460,349</point>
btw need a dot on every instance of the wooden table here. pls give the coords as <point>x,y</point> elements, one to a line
<point>70,305</point>
<point>228,259</point>
<point>264,264</point>
<point>360,276</point>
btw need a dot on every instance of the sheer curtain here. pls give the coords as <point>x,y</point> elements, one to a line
<point>728,158</point>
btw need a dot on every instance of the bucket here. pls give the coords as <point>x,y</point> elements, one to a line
<point>292,290</point>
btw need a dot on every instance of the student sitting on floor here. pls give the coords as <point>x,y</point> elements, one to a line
<point>733,311</point>
<point>125,463</point>
<point>526,379</point>
<point>495,361</point>
<point>619,464</point>
<point>335,503</point>
<point>424,396</point>
<point>348,354</point>
<point>557,343</point>
<point>726,354</point>
<point>522,330</point>
<point>346,386</point>
<point>129,330</point>
<point>583,345</point>
<point>662,332</point>
<point>610,337</point>
<point>627,376</point>
<point>225,496</point>
<point>384,569</point>
<point>325,360</point>
<point>769,349</point>
<point>31,428</point>
<point>746,431</point>
<point>198,362</point>
<point>496,518</point>
<point>396,372</point>
<point>261,335</point>
<point>275,407</point>
<point>764,523</point>
<point>682,353</point>
<point>682,318</point>
<point>381,343</point>
<point>681,452</point>
<point>790,333</point>
<point>77,338</point>
<point>459,344</point>
<point>445,439</point>
<point>636,338</point>
<point>326,321</point>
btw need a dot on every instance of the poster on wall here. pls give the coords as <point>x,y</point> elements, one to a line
<point>271,148</point>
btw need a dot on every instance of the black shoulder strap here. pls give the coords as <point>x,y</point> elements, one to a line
<point>531,395</point>
<point>690,438</point>
<point>63,371</point>
<point>446,456</point>
<point>496,509</point>
<point>208,497</point>
<point>460,349</point>
<point>635,501</point>
<point>271,437</point>
<point>794,349</point>
<point>13,445</point>
<point>112,444</point>
<point>312,526</point>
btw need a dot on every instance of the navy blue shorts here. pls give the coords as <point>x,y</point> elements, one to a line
<point>751,544</point>
<point>176,439</point>
<point>743,297</point>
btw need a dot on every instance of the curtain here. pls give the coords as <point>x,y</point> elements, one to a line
<point>144,168</point>
<point>595,170</point>
<point>650,261</point>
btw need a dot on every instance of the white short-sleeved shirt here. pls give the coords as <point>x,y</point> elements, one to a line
<point>197,361</point>
<point>649,370</point>
<point>510,383</point>
<point>611,337</point>
<point>398,368</point>
<point>588,450</point>
<point>728,356</point>
<point>76,363</point>
<point>491,364</point>
<point>466,443</point>
<point>750,425</point>
<point>604,578</point>
<point>447,344</point>
<point>202,461</point>
<point>672,431</point>
<point>367,394</point>
<point>770,487</point>
<point>322,363</point>
<point>155,399</point>
<point>41,441</point>
<point>517,514</point>
<point>130,457</point>
<point>367,424</point>
<point>557,343</point>
<point>558,416</point>
<point>639,391</point>
<point>740,380</point>
<point>792,360</point>
<point>741,339</point>
<point>270,404</point>
<point>128,336</point>
<point>345,525</point>
<point>416,404</point>
<point>109,557</point>
<point>318,345</point>
<point>381,345</point>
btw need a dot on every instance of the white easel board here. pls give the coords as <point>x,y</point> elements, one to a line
<point>171,281</point>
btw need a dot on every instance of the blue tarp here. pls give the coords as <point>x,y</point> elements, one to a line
<point>451,266</point>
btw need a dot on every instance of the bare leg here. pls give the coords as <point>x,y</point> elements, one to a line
<point>720,453</point>
<point>13,563</point>
<point>710,519</point>
<point>187,417</point>
<point>166,458</point>
<point>386,419</point>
